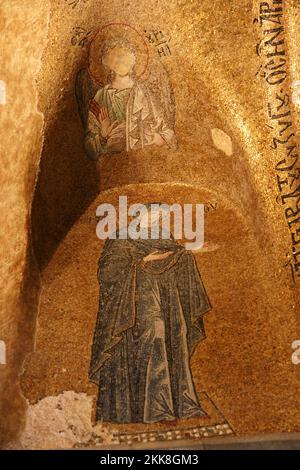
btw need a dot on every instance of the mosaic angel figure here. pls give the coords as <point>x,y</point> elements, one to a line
<point>124,111</point>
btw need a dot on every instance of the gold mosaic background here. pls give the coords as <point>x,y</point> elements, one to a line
<point>245,364</point>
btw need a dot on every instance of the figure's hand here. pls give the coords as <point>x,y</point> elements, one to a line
<point>157,256</point>
<point>207,247</point>
<point>102,116</point>
<point>95,108</point>
<point>106,125</point>
<point>158,140</point>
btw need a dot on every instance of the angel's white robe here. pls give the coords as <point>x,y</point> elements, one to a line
<point>139,122</point>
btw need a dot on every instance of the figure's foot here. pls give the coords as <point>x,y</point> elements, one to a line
<point>172,422</point>
<point>197,414</point>
<point>204,416</point>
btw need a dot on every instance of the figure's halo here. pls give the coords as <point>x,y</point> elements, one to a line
<point>122,33</point>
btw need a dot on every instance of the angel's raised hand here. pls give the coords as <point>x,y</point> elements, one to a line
<point>95,109</point>
<point>105,122</point>
<point>103,114</point>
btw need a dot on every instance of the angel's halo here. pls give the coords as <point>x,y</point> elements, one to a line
<point>117,32</point>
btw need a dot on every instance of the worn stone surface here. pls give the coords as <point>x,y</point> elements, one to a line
<point>61,422</point>
<point>23,29</point>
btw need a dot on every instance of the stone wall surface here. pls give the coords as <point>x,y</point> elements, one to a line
<point>23,28</point>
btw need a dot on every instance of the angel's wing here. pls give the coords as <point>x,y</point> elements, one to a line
<point>85,89</point>
<point>159,84</point>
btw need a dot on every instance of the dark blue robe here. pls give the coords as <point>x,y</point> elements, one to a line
<point>150,319</point>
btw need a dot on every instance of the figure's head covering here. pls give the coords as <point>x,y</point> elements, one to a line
<point>152,206</point>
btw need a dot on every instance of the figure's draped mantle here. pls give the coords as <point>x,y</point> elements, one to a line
<point>144,119</point>
<point>117,275</point>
